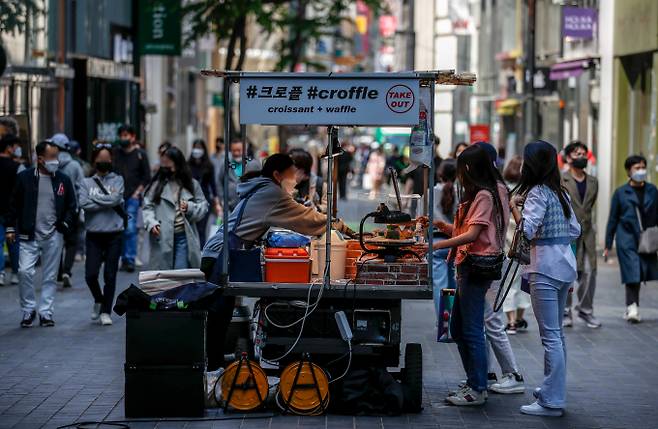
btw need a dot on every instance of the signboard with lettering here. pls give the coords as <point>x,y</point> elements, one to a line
<point>160,27</point>
<point>578,22</point>
<point>329,101</point>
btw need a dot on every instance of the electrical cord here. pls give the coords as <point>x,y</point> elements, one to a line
<point>349,363</point>
<point>125,424</point>
<point>303,321</point>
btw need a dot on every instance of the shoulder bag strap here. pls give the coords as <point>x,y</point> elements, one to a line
<point>118,208</point>
<point>639,217</point>
<point>243,204</point>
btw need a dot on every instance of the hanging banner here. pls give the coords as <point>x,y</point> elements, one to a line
<point>160,27</point>
<point>329,101</point>
<point>578,22</point>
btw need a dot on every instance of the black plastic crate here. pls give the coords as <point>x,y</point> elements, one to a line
<point>164,391</point>
<point>166,338</point>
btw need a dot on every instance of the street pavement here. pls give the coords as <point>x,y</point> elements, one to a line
<point>74,372</point>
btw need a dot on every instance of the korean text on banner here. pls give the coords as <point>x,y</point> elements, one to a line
<point>329,101</point>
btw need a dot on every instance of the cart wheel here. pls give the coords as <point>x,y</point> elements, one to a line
<point>413,378</point>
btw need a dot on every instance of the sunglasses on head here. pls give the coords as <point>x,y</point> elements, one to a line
<point>103,146</point>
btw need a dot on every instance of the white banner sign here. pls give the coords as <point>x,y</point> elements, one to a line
<point>329,101</point>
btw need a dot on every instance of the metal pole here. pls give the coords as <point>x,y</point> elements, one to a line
<point>430,192</point>
<point>227,166</point>
<point>330,192</point>
<point>243,135</point>
<point>531,120</point>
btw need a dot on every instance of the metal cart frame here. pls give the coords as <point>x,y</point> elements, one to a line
<point>333,292</point>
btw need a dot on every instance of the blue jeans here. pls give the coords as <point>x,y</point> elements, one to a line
<point>180,251</point>
<point>549,297</point>
<point>130,233</point>
<point>13,252</point>
<point>50,251</point>
<point>443,276</point>
<point>467,327</point>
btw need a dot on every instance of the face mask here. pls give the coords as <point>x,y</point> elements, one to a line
<point>124,143</point>
<point>197,153</point>
<point>579,163</point>
<point>18,152</point>
<point>288,185</point>
<point>103,167</point>
<point>166,172</point>
<point>639,176</point>
<point>51,165</point>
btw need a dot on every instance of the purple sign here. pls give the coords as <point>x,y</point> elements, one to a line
<point>578,22</point>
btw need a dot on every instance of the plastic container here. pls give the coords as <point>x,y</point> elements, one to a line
<point>411,204</point>
<point>285,265</point>
<point>338,255</point>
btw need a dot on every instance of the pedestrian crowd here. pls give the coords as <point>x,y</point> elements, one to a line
<point>110,209</point>
<point>553,208</point>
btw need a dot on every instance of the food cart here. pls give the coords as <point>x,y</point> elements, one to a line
<point>385,272</point>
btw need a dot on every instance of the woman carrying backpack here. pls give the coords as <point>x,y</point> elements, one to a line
<point>550,225</point>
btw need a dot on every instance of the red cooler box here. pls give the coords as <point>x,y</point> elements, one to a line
<point>287,265</point>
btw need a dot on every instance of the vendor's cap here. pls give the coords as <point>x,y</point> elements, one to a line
<point>60,140</point>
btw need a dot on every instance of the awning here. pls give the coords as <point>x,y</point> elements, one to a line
<point>507,107</point>
<point>568,69</point>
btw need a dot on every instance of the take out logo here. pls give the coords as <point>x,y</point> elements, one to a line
<point>400,98</point>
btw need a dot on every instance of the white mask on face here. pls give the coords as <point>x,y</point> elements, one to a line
<point>639,175</point>
<point>197,153</point>
<point>288,185</point>
<point>18,152</point>
<point>51,165</point>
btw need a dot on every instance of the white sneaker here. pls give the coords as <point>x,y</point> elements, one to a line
<point>633,313</point>
<point>510,383</point>
<point>14,279</point>
<point>2,275</point>
<point>535,409</point>
<point>96,311</point>
<point>466,397</point>
<point>106,320</point>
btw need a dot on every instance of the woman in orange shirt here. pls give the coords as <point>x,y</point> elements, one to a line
<point>477,245</point>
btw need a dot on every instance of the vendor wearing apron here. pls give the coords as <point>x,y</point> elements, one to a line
<point>265,201</point>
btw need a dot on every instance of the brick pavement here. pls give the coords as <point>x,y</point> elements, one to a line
<point>73,372</point>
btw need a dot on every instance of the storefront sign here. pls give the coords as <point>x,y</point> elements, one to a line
<point>479,133</point>
<point>578,22</point>
<point>160,27</point>
<point>106,69</point>
<point>329,101</point>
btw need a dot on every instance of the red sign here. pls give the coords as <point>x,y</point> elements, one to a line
<point>479,133</point>
<point>400,98</point>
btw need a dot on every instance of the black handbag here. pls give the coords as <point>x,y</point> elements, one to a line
<point>489,267</point>
<point>244,259</point>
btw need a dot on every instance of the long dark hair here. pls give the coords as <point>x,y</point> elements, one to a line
<point>540,168</point>
<point>476,173</point>
<point>183,175</point>
<point>277,162</point>
<point>448,174</point>
<point>204,161</point>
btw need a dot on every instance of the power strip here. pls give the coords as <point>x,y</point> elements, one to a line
<point>343,326</point>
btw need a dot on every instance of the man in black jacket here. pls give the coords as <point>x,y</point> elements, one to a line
<point>42,208</point>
